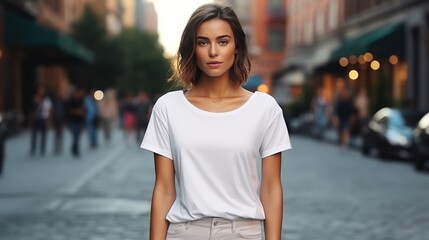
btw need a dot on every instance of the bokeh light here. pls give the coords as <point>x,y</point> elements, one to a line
<point>353,74</point>
<point>263,88</point>
<point>393,59</point>
<point>375,65</point>
<point>98,95</point>
<point>343,62</point>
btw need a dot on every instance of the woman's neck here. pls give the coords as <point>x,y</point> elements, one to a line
<point>217,92</point>
<point>215,87</point>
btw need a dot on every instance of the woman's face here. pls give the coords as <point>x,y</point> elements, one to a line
<point>215,50</point>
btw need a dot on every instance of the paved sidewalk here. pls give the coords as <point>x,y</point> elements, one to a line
<point>28,181</point>
<point>103,195</point>
<point>331,135</point>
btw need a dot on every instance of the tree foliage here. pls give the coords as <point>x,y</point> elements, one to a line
<point>90,31</point>
<point>130,61</point>
<point>144,65</point>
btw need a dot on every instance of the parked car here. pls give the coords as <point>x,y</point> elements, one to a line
<point>421,143</point>
<point>390,133</point>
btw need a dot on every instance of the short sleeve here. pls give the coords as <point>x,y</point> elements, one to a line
<point>276,137</point>
<point>156,138</point>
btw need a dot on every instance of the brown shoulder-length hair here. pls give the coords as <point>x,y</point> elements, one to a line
<point>184,66</point>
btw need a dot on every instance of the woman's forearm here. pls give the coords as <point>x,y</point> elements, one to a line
<point>272,201</point>
<point>161,204</point>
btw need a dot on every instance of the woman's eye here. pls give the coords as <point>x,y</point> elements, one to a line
<point>202,43</point>
<point>223,42</point>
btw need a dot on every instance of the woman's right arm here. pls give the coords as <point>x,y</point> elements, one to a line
<point>163,196</point>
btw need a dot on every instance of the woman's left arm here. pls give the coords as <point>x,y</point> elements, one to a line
<point>272,196</point>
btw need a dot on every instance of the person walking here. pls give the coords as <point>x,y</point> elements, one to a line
<point>143,110</point>
<point>3,134</point>
<point>344,114</point>
<point>42,106</point>
<point>210,135</point>
<point>128,109</point>
<point>76,118</point>
<point>91,118</point>
<point>361,104</point>
<point>58,121</point>
<point>108,114</point>
<point>320,114</point>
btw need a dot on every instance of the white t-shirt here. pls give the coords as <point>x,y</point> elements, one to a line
<point>215,154</point>
<point>44,108</point>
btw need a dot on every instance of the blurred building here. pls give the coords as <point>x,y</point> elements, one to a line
<point>264,22</point>
<point>129,16</point>
<point>312,33</point>
<point>35,46</point>
<point>380,46</point>
<point>395,34</point>
<point>111,12</point>
<point>140,14</point>
<point>146,17</point>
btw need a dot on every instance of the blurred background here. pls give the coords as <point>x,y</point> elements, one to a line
<point>78,79</point>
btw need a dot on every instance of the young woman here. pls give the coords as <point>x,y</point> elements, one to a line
<point>209,137</point>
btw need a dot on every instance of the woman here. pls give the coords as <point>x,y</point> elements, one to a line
<point>209,137</point>
<point>76,110</point>
<point>42,106</point>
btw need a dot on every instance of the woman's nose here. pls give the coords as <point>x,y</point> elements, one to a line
<point>213,51</point>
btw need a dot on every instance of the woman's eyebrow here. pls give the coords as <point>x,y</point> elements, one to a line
<point>221,36</point>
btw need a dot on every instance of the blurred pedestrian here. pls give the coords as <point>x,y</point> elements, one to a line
<point>129,117</point>
<point>344,114</point>
<point>91,118</point>
<point>320,113</point>
<point>108,113</point>
<point>361,104</point>
<point>58,120</point>
<point>3,134</point>
<point>42,106</point>
<point>76,118</point>
<point>143,111</point>
<point>209,137</point>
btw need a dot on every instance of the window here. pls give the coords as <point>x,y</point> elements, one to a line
<point>333,15</point>
<point>320,23</point>
<point>276,38</point>
<point>291,34</point>
<point>308,32</point>
<point>275,7</point>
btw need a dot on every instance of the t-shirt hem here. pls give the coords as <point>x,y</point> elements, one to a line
<point>156,150</point>
<point>181,219</point>
<point>276,150</point>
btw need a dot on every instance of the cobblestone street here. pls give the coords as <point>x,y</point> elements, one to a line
<point>329,194</point>
<point>113,204</point>
<point>62,226</point>
<point>333,194</point>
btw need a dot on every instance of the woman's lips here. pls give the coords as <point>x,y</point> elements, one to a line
<point>214,64</point>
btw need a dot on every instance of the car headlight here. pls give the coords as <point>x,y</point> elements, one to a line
<point>396,138</point>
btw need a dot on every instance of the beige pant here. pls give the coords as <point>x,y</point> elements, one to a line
<point>216,229</point>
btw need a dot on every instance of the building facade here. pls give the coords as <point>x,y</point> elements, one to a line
<point>140,14</point>
<point>264,22</point>
<point>35,47</point>
<point>268,38</point>
<point>379,46</point>
<point>312,33</point>
<point>395,33</point>
<point>146,17</point>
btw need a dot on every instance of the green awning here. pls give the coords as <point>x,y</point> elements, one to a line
<point>47,43</point>
<point>384,41</point>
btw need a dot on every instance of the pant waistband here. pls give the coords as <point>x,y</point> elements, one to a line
<point>210,222</point>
